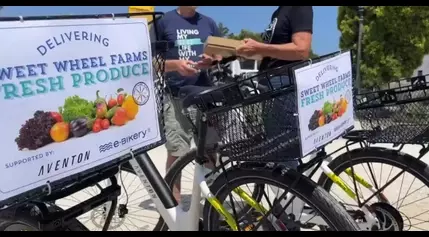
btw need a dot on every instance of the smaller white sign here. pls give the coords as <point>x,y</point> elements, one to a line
<point>325,102</point>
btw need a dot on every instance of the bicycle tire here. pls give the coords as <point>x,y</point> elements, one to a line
<point>415,167</point>
<point>304,188</point>
<point>175,170</point>
<point>22,216</point>
<point>125,167</point>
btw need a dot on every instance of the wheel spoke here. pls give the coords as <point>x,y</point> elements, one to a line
<point>407,195</point>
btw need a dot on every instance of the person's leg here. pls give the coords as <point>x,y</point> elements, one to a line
<point>178,137</point>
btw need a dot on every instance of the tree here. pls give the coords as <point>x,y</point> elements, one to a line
<point>313,55</point>
<point>395,40</point>
<point>223,30</point>
<point>246,34</point>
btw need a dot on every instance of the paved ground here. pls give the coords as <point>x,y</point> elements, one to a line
<point>143,216</point>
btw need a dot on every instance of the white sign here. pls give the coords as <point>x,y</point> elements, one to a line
<point>50,72</point>
<point>324,98</point>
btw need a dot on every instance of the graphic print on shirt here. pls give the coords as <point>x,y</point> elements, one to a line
<point>269,32</point>
<point>184,43</point>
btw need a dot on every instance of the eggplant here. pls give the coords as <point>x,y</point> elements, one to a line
<point>79,127</point>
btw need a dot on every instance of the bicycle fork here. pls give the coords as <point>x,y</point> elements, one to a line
<point>371,220</point>
<point>217,205</point>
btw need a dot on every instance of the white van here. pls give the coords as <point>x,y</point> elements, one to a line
<point>248,66</point>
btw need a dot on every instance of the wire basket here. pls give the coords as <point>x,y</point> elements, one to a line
<point>159,48</point>
<point>254,127</point>
<point>398,114</point>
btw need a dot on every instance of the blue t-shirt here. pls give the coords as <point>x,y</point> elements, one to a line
<point>186,37</point>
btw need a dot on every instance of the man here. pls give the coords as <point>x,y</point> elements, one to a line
<point>286,40</point>
<point>187,30</point>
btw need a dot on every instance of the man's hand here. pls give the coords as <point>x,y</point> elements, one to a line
<point>206,61</point>
<point>183,67</point>
<point>249,48</point>
<point>186,68</point>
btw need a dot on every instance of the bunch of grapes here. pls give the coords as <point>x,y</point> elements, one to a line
<point>35,132</point>
<point>314,121</point>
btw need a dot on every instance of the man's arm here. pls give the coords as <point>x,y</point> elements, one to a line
<point>301,20</point>
<point>172,65</point>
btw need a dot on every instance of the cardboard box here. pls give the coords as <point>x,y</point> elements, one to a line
<point>224,47</point>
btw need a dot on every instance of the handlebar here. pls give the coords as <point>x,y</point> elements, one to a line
<point>220,69</point>
<point>254,84</point>
<point>221,72</point>
<point>224,61</point>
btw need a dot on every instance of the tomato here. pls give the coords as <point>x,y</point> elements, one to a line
<point>118,120</point>
<point>112,103</point>
<point>121,112</point>
<point>120,99</point>
<point>96,127</point>
<point>60,132</point>
<point>98,121</point>
<point>57,116</point>
<point>105,124</point>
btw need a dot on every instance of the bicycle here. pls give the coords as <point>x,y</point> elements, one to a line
<point>39,205</point>
<point>370,217</point>
<point>390,116</point>
<point>237,114</point>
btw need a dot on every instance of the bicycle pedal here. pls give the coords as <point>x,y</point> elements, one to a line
<point>246,225</point>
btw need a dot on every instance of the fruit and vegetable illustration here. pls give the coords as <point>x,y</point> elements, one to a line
<point>77,118</point>
<point>329,112</point>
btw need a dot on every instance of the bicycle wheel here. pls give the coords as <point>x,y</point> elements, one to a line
<point>394,213</point>
<point>183,167</point>
<point>25,218</point>
<point>327,208</point>
<point>135,210</point>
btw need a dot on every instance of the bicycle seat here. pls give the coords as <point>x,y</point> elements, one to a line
<point>357,135</point>
<point>189,95</point>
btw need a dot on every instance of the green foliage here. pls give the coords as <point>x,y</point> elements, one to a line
<point>246,34</point>
<point>395,40</point>
<point>313,55</point>
<point>224,31</point>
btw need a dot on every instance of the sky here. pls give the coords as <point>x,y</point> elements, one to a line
<point>254,18</point>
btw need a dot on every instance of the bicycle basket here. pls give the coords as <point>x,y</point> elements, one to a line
<point>255,126</point>
<point>399,114</point>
